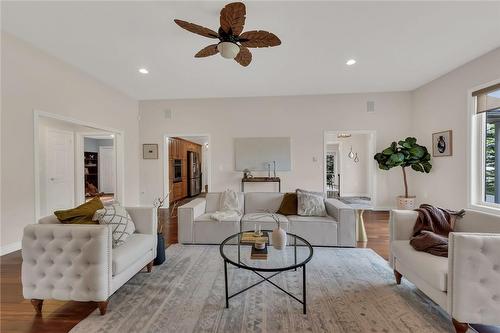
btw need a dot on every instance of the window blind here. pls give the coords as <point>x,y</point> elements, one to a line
<point>487,99</point>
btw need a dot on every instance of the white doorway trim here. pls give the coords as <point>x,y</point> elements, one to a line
<point>165,151</point>
<point>119,146</point>
<point>372,169</point>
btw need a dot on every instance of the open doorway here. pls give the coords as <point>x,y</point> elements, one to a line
<point>349,167</point>
<point>99,159</point>
<point>186,166</point>
<point>70,155</point>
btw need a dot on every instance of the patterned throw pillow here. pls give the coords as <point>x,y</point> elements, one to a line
<point>121,222</point>
<point>310,203</point>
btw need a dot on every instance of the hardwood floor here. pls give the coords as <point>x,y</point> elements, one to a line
<point>377,229</point>
<point>17,314</point>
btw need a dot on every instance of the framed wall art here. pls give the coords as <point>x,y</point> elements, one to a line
<point>150,151</point>
<point>442,144</point>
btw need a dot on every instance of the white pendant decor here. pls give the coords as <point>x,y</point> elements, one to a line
<point>279,238</point>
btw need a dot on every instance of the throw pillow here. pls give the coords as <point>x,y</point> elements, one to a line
<point>82,214</point>
<point>288,204</point>
<point>120,221</point>
<point>310,203</point>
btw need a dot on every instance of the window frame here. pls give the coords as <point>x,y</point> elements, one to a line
<point>475,155</point>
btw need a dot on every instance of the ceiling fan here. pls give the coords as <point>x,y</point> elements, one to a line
<point>233,44</point>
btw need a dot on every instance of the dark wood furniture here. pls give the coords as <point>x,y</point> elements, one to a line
<point>260,180</point>
<point>91,160</point>
<point>177,150</point>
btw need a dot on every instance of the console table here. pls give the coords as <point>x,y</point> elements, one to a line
<point>260,180</point>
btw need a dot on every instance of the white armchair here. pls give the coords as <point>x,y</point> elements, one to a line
<point>76,261</point>
<point>467,283</point>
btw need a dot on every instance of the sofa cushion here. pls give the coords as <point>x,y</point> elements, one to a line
<point>263,217</point>
<point>120,220</point>
<point>213,201</point>
<point>310,203</point>
<point>432,269</point>
<point>309,219</point>
<point>288,204</point>
<point>136,246</point>
<point>259,202</point>
<point>207,218</point>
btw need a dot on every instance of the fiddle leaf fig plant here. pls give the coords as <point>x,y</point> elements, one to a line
<point>405,154</point>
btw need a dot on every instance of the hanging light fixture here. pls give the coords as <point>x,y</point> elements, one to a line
<point>351,154</point>
<point>228,50</point>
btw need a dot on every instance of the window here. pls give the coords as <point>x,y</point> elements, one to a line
<point>486,147</point>
<point>491,158</point>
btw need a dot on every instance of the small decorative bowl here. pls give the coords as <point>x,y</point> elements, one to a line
<point>260,245</point>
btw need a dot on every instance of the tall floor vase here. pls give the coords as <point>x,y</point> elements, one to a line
<point>160,250</point>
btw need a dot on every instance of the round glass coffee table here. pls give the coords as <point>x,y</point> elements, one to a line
<point>295,255</point>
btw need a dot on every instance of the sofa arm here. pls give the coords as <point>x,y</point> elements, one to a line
<point>346,218</point>
<point>145,219</point>
<point>401,224</point>
<point>66,262</point>
<point>186,215</point>
<point>474,278</point>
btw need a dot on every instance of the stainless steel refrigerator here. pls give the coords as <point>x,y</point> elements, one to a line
<point>194,173</point>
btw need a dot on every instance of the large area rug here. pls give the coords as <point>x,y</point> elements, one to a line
<point>349,290</point>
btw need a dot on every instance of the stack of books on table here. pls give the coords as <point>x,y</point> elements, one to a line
<point>258,254</point>
<point>250,238</point>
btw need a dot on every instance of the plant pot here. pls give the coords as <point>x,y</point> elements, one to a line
<point>160,250</point>
<point>279,238</point>
<point>406,203</point>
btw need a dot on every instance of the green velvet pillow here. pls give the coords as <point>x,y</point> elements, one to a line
<point>288,204</point>
<point>82,214</point>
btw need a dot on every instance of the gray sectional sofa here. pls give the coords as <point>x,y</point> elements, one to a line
<point>338,228</point>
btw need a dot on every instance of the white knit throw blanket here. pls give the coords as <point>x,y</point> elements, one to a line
<point>228,206</point>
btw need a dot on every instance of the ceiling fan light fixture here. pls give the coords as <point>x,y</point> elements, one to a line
<point>228,50</point>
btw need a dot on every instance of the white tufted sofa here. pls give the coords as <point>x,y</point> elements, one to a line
<point>467,283</point>
<point>76,261</point>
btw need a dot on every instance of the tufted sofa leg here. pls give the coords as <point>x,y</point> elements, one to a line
<point>398,276</point>
<point>37,304</point>
<point>460,327</point>
<point>103,306</point>
<point>149,267</point>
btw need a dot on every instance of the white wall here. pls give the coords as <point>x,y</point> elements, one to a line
<point>32,79</point>
<point>303,118</point>
<point>442,105</point>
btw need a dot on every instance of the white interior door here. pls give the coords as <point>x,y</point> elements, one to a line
<point>107,175</point>
<point>60,170</point>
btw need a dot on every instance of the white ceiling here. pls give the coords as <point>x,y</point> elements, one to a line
<point>398,45</point>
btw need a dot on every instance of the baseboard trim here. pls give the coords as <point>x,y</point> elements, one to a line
<point>9,248</point>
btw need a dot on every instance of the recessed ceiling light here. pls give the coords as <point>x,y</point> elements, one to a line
<point>350,62</point>
<point>143,71</point>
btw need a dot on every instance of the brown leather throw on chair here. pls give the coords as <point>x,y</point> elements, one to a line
<point>430,233</point>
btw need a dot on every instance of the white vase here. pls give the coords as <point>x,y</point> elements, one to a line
<point>279,238</point>
<point>406,203</point>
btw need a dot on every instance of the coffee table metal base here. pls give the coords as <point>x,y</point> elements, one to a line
<point>267,279</point>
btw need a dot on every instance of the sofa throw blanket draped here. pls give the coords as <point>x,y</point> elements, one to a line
<point>229,207</point>
<point>430,233</point>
